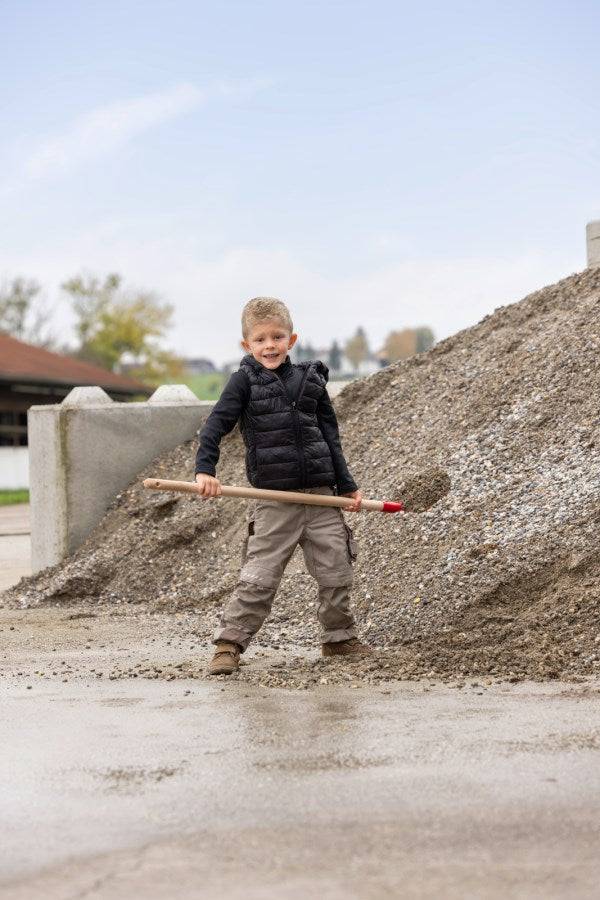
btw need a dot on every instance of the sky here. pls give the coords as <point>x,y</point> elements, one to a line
<point>384,164</point>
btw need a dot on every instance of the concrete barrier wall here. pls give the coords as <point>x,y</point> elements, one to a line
<point>14,468</point>
<point>593,243</point>
<point>85,450</point>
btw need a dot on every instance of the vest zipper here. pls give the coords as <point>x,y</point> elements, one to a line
<point>296,417</point>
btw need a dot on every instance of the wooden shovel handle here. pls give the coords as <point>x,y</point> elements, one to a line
<point>250,493</point>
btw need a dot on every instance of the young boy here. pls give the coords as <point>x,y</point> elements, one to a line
<point>292,443</point>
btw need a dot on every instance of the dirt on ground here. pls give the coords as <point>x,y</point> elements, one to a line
<point>82,642</point>
<point>492,439</point>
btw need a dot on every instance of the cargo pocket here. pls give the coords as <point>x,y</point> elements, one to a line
<point>250,520</point>
<point>351,544</point>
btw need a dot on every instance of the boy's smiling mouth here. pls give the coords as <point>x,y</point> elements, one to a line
<point>272,358</point>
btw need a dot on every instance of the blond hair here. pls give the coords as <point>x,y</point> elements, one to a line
<point>260,308</point>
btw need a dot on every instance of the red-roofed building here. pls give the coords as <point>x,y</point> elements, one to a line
<point>30,375</point>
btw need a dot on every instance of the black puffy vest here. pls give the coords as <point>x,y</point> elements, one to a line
<point>285,448</point>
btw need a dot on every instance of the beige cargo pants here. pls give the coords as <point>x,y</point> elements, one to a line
<point>274,531</point>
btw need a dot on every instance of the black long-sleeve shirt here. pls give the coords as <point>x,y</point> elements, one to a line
<point>229,407</point>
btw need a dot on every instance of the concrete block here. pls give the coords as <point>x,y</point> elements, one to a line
<point>85,450</point>
<point>47,487</point>
<point>173,393</point>
<point>593,243</point>
<point>86,396</point>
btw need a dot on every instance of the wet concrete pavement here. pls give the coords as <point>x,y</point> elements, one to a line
<point>145,789</point>
<point>15,544</point>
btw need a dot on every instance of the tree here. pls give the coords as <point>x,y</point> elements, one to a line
<point>335,357</point>
<point>22,312</point>
<point>425,338</point>
<point>399,345</point>
<point>357,348</point>
<point>405,343</point>
<point>90,300</point>
<point>304,351</point>
<point>117,328</point>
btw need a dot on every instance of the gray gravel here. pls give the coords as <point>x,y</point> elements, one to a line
<point>499,577</point>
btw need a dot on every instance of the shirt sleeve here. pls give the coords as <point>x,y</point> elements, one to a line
<point>329,428</point>
<point>220,422</point>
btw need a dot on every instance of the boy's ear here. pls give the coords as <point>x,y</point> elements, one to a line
<point>245,346</point>
<point>292,340</point>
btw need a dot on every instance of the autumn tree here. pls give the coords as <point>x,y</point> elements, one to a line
<point>405,343</point>
<point>23,314</point>
<point>116,327</point>
<point>357,348</point>
<point>399,345</point>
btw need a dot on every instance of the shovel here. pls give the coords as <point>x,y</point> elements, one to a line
<point>250,493</point>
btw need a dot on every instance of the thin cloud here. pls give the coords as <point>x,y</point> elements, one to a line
<point>103,131</point>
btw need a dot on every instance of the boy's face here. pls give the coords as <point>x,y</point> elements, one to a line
<point>268,342</point>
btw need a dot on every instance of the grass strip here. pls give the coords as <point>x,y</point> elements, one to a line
<point>9,497</point>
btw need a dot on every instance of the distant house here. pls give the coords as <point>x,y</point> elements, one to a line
<point>200,366</point>
<point>30,375</point>
<point>346,369</point>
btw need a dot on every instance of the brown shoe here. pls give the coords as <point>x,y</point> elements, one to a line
<point>351,647</point>
<point>226,659</point>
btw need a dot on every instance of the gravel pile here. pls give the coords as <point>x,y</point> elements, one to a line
<point>500,577</point>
